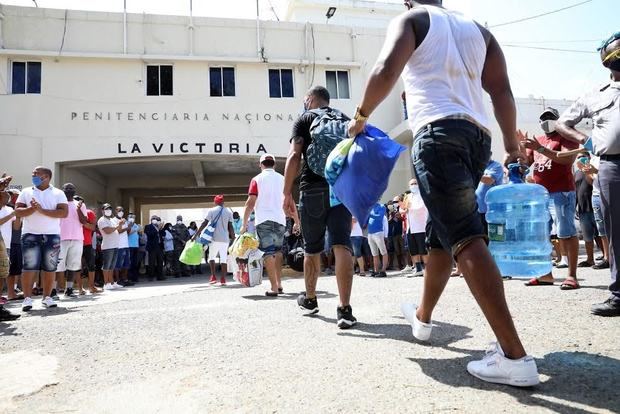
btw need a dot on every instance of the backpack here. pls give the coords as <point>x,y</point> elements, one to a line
<point>327,130</point>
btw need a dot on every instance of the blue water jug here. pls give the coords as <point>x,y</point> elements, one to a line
<point>518,220</point>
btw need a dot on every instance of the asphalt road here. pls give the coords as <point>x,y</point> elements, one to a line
<point>188,347</point>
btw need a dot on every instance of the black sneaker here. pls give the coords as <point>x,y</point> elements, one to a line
<point>345,317</point>
<point>68,293</point>
<point>381,274</point>
<point>601,265</point>
<point>374,274</point>
<point>126,283</point>
<point>309,306</point>
<point>5,315</point>
<point>54,295</point>
<point>610,307</point>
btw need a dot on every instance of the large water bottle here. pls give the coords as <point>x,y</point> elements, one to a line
<point>519,227</point>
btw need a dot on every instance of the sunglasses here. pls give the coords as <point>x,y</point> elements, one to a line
<point>612,56</point>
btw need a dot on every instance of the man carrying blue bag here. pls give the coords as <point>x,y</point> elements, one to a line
<point>446,60</point>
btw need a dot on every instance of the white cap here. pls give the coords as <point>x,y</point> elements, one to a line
<point>266,157</point>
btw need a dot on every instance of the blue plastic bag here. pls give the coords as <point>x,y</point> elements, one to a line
<point>334,165</point>
<point>365,174</point>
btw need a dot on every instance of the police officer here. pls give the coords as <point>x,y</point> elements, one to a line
<point>603,107</point>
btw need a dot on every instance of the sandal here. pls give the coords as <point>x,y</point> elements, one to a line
<point>280,290</point>
<point>537,282</point>
<point>585,263</point>
<point>569,284</point>
<point>271,294</point>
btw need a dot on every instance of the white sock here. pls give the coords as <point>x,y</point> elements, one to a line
<point>69,285</point>
<point>565,259</point>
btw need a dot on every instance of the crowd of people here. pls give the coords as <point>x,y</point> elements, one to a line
<point>437,224</point>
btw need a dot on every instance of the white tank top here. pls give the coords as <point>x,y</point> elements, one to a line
<point>443,77</point>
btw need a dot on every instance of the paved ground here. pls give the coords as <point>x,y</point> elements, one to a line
<point>190,347</point>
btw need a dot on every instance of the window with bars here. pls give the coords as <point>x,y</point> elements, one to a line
<point>26,78</point>
<point>281,83</point>
<point>337,83</point>
<point>159,80</point>
<point>222,81</point>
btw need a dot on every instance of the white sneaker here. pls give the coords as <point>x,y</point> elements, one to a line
<point>27,304</point>
<point>116,285</point>
<point>495,367</point>
<point>421,331</point>
<point>418,273</point>
<point>108,286</point>
<point>407,269</point>
<point>48,302</point>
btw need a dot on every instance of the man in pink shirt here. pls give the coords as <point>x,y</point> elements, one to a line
<point>71,240</point>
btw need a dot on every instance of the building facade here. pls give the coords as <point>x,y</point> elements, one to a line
<point>152,111</point>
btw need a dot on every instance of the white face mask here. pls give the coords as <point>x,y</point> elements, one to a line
<point>154,222</point>
<point>107,213</point>
<point>548,126</point>
<point>121,214</point>
<point>131,219</point>
<point>414,189</point>
<point>179,221</point>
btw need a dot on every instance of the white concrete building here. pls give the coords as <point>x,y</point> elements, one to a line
<point>155,111</point>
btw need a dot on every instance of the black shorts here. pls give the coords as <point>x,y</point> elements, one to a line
<point>317,216</point>
<point>416,243</point>
<point>15,269</point>
<point>449,158</point>
<point>88,258</point>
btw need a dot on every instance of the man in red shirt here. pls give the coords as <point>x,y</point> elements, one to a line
<point>88,253</point>
<point>556,175</point>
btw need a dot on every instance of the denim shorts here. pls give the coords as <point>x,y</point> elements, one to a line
<point>598,215</point>
<point>449,159</point>
<point>270,236</point>
<point>122,259</point>
<point>356,243</point>
<point>564,206</point>
<point>588,226</point>
<point>317,216</point>
<point>40,252</point>
<point>108,259</point>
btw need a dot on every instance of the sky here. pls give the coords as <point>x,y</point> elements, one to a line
<point>552,74</point>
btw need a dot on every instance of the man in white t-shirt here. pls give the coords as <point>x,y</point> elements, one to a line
<point>265,198</point>
<point>123,260</point>
<point>109,226</point>
<point>417,216</point>
<point>41,206</point>
<point>71,240</point>
<point>220,218</point>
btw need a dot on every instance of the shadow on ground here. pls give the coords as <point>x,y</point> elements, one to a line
<point>577,381</point>
<point>289,295</point>
<point>7,329</point>
<point>574,378</point>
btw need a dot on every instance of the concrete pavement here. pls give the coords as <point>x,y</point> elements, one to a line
<point>185,346</point>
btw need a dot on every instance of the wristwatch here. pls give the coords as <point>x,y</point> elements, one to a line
<point>359,116</point>
<point>540,149</point>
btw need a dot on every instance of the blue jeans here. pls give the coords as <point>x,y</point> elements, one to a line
<point>449,157</point>
<point>598,215</point>
<point>564,205</point>
<point>271,237</point>
<point>40,252</point>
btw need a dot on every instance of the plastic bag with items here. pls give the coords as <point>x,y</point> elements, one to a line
<point>192,253</point>
<point>249,271</point>
<point>366,171</point>
<point>243,244</point>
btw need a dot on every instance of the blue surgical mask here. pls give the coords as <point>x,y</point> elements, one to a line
<point>37,181</point>
<point>414,189</point>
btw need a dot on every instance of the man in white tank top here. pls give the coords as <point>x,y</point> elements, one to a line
<point>446,62</point>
